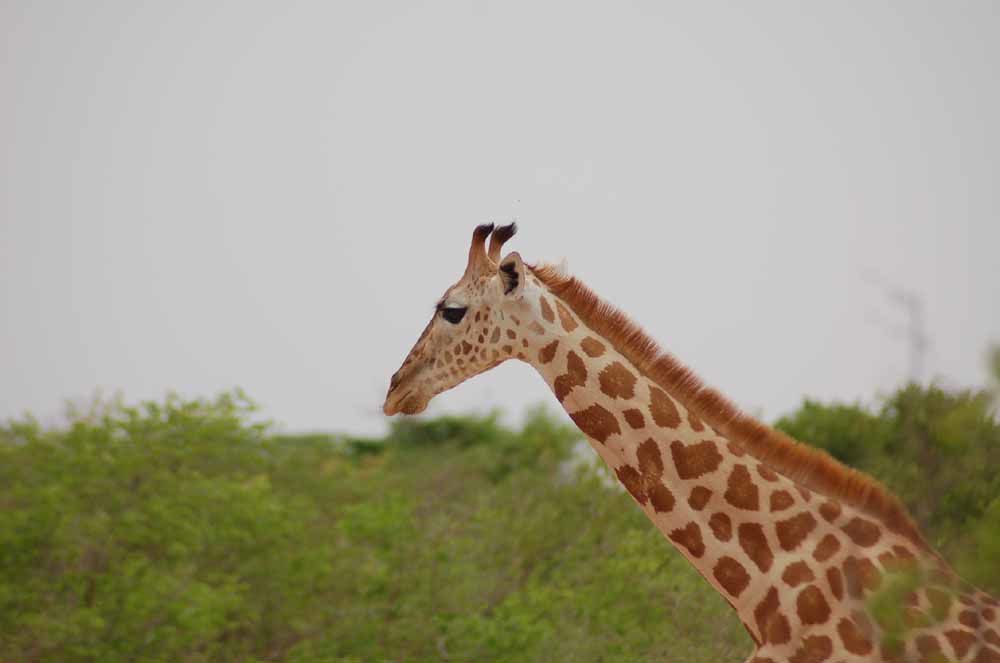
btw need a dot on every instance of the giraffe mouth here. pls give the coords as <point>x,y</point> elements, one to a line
<point>405,403</point>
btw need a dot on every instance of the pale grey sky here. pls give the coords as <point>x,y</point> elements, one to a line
<point>196,195</point>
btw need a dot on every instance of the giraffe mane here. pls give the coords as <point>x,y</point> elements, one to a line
<point>808,466</point>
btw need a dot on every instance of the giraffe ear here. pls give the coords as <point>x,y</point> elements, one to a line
<point>511,273</point>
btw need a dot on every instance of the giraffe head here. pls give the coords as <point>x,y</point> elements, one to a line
<point>473,328</point>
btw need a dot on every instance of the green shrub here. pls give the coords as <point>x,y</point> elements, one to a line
<point>183,531</point>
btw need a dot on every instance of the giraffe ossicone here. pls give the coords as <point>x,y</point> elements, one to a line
<point>796,543</point>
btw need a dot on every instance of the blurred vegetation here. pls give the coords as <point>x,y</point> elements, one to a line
<point>182,531</point>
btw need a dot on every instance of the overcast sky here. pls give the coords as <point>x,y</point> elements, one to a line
<point>198,195</point>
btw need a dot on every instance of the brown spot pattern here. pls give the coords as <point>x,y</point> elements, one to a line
<point>548,353</point>
<point>858,573</point>
<point>694,460</point>
<point>792,531</point>
<point>870,576</point>
<point>495,336</point>
<point>887,560</point>
<point>634,418</point>
<point>547,311</point>
<point>929,648</point>
<point>826,548</point>
<point>735,449</point>
<point>797,573</point>
<point>647,484</point>
<point>721,526</point>
<point>632,481</point>
<point>565,317</point>
<point>830,510</point>
<point>731,575</point>
<point>650,460</point>
<point>592,347</point>
<point>814,649</point>
<point>766,473</point>
<point>660,497</point>
<point>864,623</point>
<point>960,641</point>
<point>596,422</point>
<point>853,638</point>
<point>836,582</point>
<point>511,334</point>
<point>754,544</point>
<point>617,381</point>
<point>781,500</point>
<point>969,618</point>
<point>699,497</point>
<point>852,577</point>
<point>863,532</point>
<point>651,468</point>
<point>575,376</point>
<point>772,625</point>
<point>663,409</point>
<point>811,606</point>
<point>987,655</point>
<point>741,491</point>
<point>689,537</point>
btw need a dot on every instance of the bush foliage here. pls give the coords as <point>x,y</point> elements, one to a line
<point>182,531</point>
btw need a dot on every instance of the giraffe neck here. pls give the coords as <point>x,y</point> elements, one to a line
<point>788,560</point>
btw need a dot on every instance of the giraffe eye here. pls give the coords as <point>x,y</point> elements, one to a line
<point>454,315</point>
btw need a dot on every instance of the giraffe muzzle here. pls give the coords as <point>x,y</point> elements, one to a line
<point>407,402</point>
<point>404,396</point>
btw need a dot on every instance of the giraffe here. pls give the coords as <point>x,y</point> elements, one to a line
<point>796,543</point>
